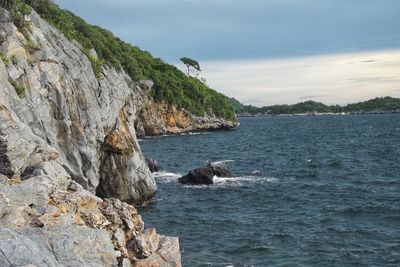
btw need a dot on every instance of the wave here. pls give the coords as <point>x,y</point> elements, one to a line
<point>222,161</point>
<point>177,134</point>
<point>242,181</point>
<point>168,177</point>
<point>157,136</point>
<point>194,133</point>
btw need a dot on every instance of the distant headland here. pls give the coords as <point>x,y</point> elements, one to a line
<point>377,105</point>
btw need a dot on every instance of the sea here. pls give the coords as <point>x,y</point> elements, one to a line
<point>305,191</point>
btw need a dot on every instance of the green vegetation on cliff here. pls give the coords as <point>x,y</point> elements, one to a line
<point>170,84</point>
<point>241,108</point>
<point>379,104</point>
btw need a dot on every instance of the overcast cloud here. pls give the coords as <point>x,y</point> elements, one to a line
<point>332,79</point>
<point>255,31</point>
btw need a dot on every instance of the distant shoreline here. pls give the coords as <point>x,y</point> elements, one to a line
<point>379,105</point>
<point>320,114</point>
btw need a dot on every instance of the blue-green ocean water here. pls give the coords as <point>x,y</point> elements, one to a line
<point>307,191</point>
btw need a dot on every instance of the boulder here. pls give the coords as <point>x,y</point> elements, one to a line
<point>220,169</point>
<point>205,175</point>
<point>202,175</point>
<point>154,166</point>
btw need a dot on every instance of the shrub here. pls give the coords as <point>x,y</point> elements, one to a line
<point>20,89</point>
<point>96,63</point>
<point>18,10</point>
<point>4,59</point>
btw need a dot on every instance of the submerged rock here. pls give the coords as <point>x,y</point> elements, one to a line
<point>205,175</point>
<point>153,165</point>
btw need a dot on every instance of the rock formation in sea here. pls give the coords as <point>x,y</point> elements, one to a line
<point>153,165</point>
<point>205,175</point>
<point>70,164</point>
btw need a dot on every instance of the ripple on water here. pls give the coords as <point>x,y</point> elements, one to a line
<point>307,191</point>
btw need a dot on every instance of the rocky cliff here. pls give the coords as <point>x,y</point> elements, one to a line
<point>159,118</point>
<point>69,157</point>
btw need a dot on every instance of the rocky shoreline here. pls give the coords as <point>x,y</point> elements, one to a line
<point>162,119</point>
<point>71,168</point>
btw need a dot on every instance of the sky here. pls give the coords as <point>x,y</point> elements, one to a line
<point>266,52</point>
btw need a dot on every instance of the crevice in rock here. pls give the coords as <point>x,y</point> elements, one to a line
<point>5,163</point>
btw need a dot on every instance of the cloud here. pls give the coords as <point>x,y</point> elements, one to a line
<point>267,51</point>
<point>310,97</point>
<point>326,78</point>
<point>240,29</point>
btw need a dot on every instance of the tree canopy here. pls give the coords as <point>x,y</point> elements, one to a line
<point>191,64</point>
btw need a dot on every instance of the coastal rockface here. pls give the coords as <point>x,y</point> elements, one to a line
<point>158,118</point>
<point>69,159</point>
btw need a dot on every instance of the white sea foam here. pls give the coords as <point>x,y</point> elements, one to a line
<point>222,161</point>
<point>179,134</point>
<point>194,133</point>
<point>166,177</point>
<point>243,180</point>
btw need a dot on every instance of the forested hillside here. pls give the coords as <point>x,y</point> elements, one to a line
<point>379,104</point>
<point>170,84</point>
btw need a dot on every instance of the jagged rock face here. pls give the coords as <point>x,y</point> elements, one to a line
<point>68,137</point>
<point>68,115</point>
<point>47,247</point>
<point>50,220</point>
<point>158,118</point>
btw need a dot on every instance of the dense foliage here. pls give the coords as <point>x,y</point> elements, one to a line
<point>379,104</point>
<point>240,108</point>
<point>376,104</point>
<point>171,85</point>
<point>190,64</point>
<point>18,9</point>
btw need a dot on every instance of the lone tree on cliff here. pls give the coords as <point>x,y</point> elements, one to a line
<point>191,65</point>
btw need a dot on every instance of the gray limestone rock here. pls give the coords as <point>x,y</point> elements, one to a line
<point>67,114</point>
<point>65,136</point>
<point>57,246</point>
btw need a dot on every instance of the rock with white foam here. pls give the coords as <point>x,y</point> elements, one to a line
<point>205,175</point>
<point>220,169</point>
<point>153,165</point>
